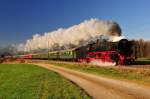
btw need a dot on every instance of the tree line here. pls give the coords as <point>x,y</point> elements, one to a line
<point>142,48</point>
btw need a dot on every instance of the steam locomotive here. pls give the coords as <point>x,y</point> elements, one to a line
<point>121,52</point>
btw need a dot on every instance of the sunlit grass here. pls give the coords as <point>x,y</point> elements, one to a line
<point>22,81</point>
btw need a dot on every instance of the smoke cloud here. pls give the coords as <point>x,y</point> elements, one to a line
<point>101,63</point>
<point>8,50</point>
<point>72,36</point>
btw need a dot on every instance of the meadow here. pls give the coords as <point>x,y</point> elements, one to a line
<point>24,81</point>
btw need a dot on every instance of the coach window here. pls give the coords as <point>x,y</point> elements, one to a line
<point>68,53</point>
<point>71,53</point>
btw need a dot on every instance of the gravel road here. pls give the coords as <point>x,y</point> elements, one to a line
<point>100,87</point>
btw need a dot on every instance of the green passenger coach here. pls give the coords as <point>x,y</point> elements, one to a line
<point>62,55</point>
<point>70,54</point>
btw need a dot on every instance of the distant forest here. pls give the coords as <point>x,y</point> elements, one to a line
<point>143,48</point>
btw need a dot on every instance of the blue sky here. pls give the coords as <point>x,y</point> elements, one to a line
<point>20,19</point>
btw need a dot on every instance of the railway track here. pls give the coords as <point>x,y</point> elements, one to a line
<point>141,66</point>
<point>102,88</point>
<point>123,66</point>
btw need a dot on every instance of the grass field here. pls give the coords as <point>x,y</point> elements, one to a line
<point>132,74</point>
<point>22,81</point>
<point>142,61</point>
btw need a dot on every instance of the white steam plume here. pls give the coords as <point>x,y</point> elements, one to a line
<point>72,36</point>
<point>101,63</point>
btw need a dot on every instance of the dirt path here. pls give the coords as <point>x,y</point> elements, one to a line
<point>102,88</point>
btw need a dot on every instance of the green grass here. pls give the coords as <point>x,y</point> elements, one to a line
<point>143,61</point>
<point>137,75</point>
<point>22,81</point>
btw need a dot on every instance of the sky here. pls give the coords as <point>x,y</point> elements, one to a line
<point>20,19</point>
